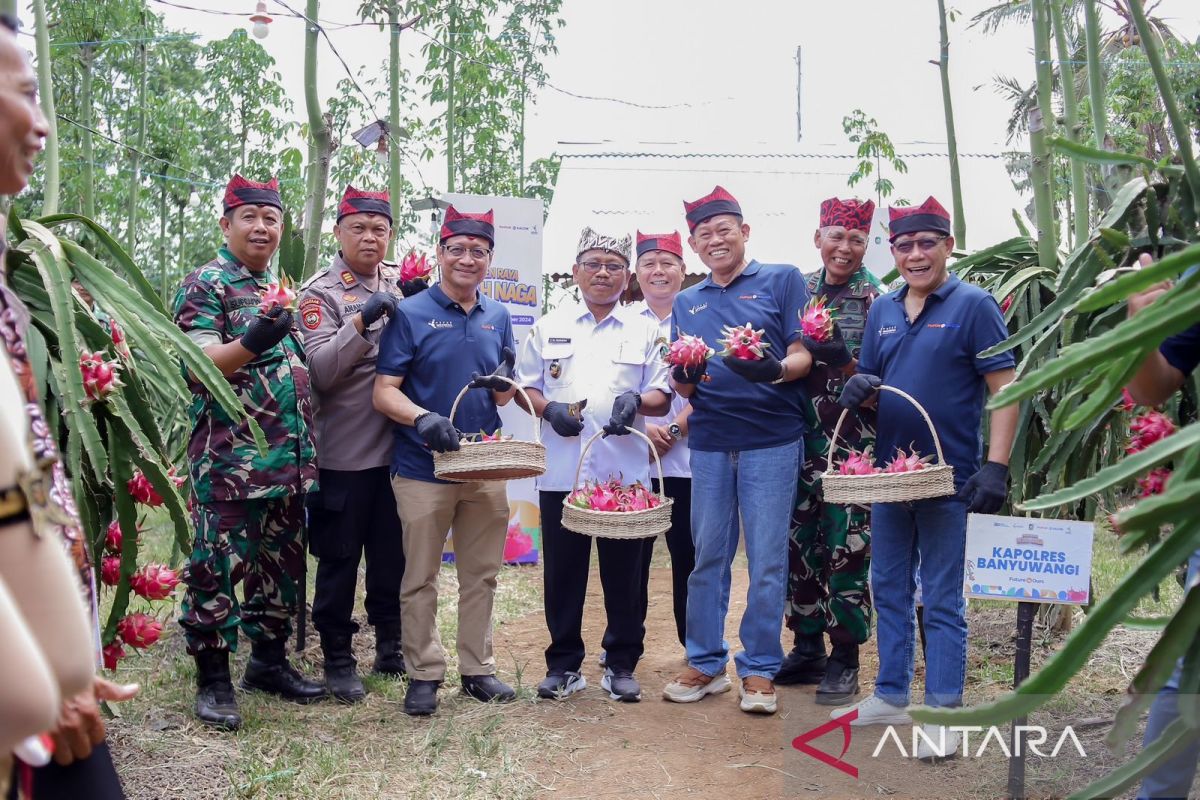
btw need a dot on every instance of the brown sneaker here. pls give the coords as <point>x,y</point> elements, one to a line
<point>692,685</point>
<point>758,695</point>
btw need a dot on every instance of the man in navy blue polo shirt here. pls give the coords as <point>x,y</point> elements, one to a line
<point>745,431</point>
<point>443,339</point>
<point>924,339</point>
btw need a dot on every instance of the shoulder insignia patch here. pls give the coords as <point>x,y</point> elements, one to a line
<point>348,278</point>
<point>310,314</point>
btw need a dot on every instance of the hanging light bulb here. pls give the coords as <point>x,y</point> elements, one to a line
<point>381,150</point>
<point>261,20</point>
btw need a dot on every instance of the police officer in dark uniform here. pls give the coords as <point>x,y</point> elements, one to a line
<point>342,313</point>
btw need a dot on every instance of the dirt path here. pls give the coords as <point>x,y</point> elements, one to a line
<point>709,749</point>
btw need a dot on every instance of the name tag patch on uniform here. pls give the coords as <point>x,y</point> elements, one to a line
<point>310,313</point>
<point>560,340</point>
<point>242,302</point>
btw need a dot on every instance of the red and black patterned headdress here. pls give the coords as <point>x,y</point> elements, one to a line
<point>929,216</point>
<point>853,214</point>
<point>242,192</point>
<point>359,202</point>
<point>457,223</point>
<point>718,201</point>
<point>667,242</point>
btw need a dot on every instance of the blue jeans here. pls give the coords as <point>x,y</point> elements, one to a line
<point>1173,778</point>
<point>762,485</point>
<point>932,533</point>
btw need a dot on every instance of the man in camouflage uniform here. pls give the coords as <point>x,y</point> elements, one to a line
<point>829,553</point>
<point>248,508</point>
<point>342,313</point>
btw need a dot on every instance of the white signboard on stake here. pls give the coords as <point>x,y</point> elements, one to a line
<point>515,279</point>
<point>1029,560</point>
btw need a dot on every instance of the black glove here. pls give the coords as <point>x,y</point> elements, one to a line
<point>382,302</point>
<point>624,409</point>
<point>764,370</point>
<point>561,419</point>
<point>267,331</point>
<point>415,286</point>
<point>493,381</point>
<point>858,390</point>
<point>689,374</point>
<point>986,490</point>
<point>832,352</point>
<point>437,431</point>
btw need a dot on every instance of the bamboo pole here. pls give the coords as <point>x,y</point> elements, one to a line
<point>46,98</point>
<point>1081,221</point>
<point>1097,98</point>
<point>960,220</point>
<point>1041,125</point>
<point>135,179</point>
<point>394,177</point>
<point>321,145</point>
<point>1183,136</point>
<point>450,67</point>
<point>87,59</point>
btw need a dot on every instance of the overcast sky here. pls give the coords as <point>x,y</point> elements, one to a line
<point>726,71</point>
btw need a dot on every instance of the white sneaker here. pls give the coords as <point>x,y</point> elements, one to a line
<point>756,701</point>
<point>692,685</point>
<point>937,742</point>
<point>874,710</point>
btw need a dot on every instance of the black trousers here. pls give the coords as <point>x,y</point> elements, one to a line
<point>93,778</point>
<point>355,513</point>
<point>566,558</point>
<point>681,548</point>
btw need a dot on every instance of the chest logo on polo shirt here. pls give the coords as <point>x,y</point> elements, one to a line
<point>754,297</point>
<point>887,329</point>
<point>697,309</point>
<point>440,324</point>
<point>943,325</point>
<point>487,326</point>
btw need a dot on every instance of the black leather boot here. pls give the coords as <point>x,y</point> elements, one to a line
<point>216,705</point>
<point>389,659</point>
<point>421,699</point>
<point>269,671</point>
<point>840,684</point>
<point>806,663</point>
<point>341,675</point>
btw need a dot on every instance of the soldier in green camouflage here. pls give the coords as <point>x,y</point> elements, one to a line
<point>248,508</point>
<point>829,553</point>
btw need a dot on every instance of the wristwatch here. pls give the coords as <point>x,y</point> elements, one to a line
<point>675,431</point>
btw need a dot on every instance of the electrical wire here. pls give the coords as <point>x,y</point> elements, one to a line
<point>767,155</point>
<point>130,148</point>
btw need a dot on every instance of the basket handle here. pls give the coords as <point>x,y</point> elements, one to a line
<point>657,461</point>
<point>937,443</point>
<point>537,427</point>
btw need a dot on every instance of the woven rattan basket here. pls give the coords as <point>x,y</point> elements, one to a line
<point>492,461</point>
<point>936,480</point>
<point>620,524</point>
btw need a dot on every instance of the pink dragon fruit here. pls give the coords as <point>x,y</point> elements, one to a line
<point>857,463</point>
<point>1127,403</point>
<point>154,582</point>
<point>412,268</point>
<point>1114,520</point>
<point>113,653</point>
<point>112,537</point>
<point>688,351</point>
<point>110,570</point>
<point>1147,429</point>
<point>120,343</point>
<point>742,341</point>
<point>580,498</point>
<point>99,376</point>
<point>603,498</point>
<point>143,491</point>
<point>816,321</point>
<point>1155,482</point>
<point>516,542</point>
<point>906,462</point>
<point>139,630</point>
<point>278,294</point>
<point>498,436</point>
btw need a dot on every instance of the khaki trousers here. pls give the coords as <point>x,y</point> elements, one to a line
<point>478,513</point>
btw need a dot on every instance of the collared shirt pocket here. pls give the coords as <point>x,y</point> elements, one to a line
<point>628,363</point>
<point>558,363</point>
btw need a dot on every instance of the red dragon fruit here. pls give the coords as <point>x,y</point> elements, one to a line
<point>99,376</point>
<point>688,351</point>
<point>611,495</point>
<point>1006,304</point>
<point>112,537</point>
<point>110,570</point>
<point>498,436</point>
<point>1155,482</point>
<point>857,463</point>
<point>816,321</point>
<point>278,294</point>
<point>139,630</point>
<point>516,542</point>
<point>113,653</point>
<point>906,462</point>
<point>120,343</point>
<point>154,582</point>
<point>413,268</point>
<point>603,498</point>
<point>143,491</point>
<point>1147,429</point>
<point>742,341</point>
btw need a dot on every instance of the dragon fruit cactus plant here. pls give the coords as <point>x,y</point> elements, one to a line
<point>816,321</point>
<point>278,294</point>
<point>742,341</point>
<point>612,495</point>
<point>100,377</point>
<point>413,268</point>
<point>688,351</point>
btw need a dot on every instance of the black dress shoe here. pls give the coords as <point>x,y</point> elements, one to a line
<point>421,699</point>
<point>341,675</point>
<point>216,705</point>
<point>268,670</point>
<point>488,689</point>
<point>805,664</point>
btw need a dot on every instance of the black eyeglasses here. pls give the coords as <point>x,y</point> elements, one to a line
<point>458,251</point>
<point>925,243</point>
<point>596,266</point>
